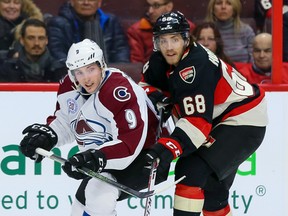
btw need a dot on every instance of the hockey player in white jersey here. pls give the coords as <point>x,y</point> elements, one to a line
<point>108,115</point>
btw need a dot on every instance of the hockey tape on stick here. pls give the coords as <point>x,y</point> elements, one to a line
<point>158,191</point>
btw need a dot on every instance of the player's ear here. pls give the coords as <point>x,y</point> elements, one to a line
<point>187,42</point>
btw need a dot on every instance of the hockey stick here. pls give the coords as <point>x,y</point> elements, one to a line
<point>93,174</point>
<point>154,165</point>
<point>90,173</point>
<point>151,184</point>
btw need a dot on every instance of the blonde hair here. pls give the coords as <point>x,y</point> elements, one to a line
<point>237,7</point>
<point>29,8</point>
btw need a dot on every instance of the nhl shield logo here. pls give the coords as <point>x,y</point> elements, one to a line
<point>72,106</point>
<point>188,74</point>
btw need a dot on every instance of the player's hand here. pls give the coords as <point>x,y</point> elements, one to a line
<point>37,135</point>
<point>160,101</point>
<point>164,154</point>
<point>92,159</point>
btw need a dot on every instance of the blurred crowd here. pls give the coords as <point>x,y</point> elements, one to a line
<point>34,45</point>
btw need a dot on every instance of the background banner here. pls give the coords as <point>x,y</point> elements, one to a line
<point>26,189</point>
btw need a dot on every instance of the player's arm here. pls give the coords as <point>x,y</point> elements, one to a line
<point>46,136</point>
<point>128,118</point>
<point>155,83</point>
<point>194,110</point>
<point>59,121</point>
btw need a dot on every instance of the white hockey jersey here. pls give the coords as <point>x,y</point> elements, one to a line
<point>115,119</point>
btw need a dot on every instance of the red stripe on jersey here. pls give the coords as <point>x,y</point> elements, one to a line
<point>204,126</point>
<point>222,91</point>
<point>189,192</point>
<point>149,89</point>
<point>222,212</point>
<point>245,107</point>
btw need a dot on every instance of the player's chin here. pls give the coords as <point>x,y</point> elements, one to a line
<point>172,60</point>
<point>90,89</point>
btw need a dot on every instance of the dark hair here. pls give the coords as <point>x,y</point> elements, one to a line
<point>219,42</point>
<point>32,22</point>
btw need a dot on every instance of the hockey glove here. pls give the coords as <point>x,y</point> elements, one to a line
<point>38,135</point>
<point>160,101</point>
<point>166,149</point>
<point>91,159</point>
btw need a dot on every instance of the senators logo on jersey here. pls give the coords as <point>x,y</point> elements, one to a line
<point>188,74</point>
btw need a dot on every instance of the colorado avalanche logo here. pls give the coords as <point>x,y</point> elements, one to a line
<point>90,132</point>
<point>188,74</point>
<point>72,106</point>
<point>120,93</point>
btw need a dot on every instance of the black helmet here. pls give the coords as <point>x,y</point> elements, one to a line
<point>171,22</point>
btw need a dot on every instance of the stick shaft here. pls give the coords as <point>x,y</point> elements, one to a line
<point>154,165</point>
<point>151,185</point>
<point>93,174</point>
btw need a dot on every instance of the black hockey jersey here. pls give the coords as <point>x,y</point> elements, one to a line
<point>205,92</point>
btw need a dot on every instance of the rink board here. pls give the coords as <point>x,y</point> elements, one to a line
<point>260,186</point>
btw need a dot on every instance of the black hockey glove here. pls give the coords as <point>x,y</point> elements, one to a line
<point>160,101</point>
<point>38,135</point>
<point>166,150</point>
<point>92,159</point>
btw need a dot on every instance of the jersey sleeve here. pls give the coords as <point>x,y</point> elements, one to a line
<point>125,104</point>
<point>59,121</point>
<point>154,74</point>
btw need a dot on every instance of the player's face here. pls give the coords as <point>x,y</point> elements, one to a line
<point>223,10</point>
<point>34,41</point>
<point>10,9</point>
<point>172,47</point>
<point>89,77</point>
<point>262,53</point>
<point>207,39</point>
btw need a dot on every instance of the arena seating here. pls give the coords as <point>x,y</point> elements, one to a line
<point>130,11</point>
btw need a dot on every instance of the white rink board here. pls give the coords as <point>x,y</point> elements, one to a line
<point>259,189</point>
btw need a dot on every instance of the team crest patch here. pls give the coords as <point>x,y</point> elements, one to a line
<point>120,93</point>
<point>188,74</point>
<point>72,106</point>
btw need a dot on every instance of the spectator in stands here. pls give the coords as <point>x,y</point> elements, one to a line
<point>237,36</point>
<point>12,14</point>
<point>285,37</point>
<point>34,63</point>
<point>260,70</point>
<point>79,19</point>
<point>140,34</point>
<point>263,14</point>
<point>209,36</point>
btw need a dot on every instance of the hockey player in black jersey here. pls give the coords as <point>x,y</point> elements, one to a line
<point>220,119</point>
